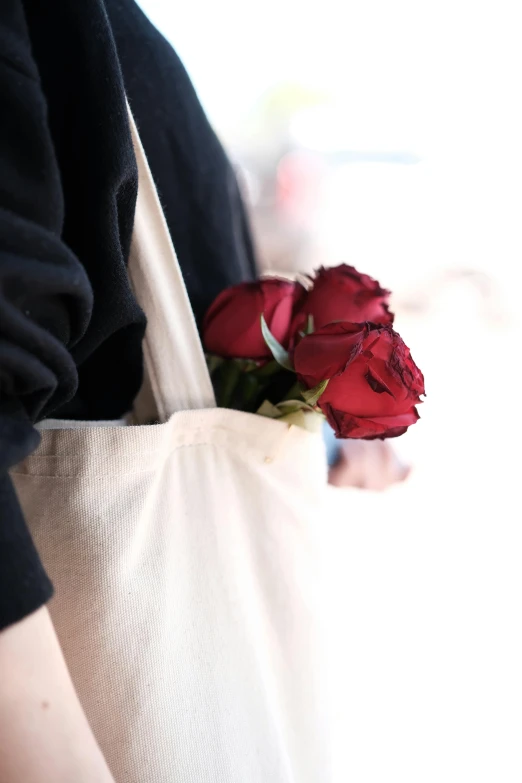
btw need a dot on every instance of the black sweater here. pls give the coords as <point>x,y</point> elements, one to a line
<point>70,328</point>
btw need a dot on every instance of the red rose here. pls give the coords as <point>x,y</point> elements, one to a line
<point>232,325</point>
<point>344,294</point>
<point>374,383</point>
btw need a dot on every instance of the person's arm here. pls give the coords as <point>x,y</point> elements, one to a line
<point>367,464</point>
<point>45,301</point>
<point>44,735</point>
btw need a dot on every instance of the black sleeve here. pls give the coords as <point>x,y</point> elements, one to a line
<point>196,183</point>
<point>45,300</point>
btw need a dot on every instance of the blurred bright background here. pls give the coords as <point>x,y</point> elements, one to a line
<point>389,136</point>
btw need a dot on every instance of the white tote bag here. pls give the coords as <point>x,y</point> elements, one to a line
<point>185,561</point>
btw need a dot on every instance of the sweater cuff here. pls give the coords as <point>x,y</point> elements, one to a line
<point>24,585</point>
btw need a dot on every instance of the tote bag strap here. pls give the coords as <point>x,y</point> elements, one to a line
<point>176,374</point>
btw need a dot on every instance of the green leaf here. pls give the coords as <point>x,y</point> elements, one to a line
<point>213,362</point>
<point>247,391</point>
<point>278,352</point>
<point>294,392</point>
<point>313,422</point>
<point>268,369</point>
<point>294,412</point>
<point>229,375</point>
<point>269,410</point>
<point>291,406</point>
<point>312,395</point>
<point>247,365</point>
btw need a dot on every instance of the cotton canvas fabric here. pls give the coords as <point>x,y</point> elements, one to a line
<point>185,556</point>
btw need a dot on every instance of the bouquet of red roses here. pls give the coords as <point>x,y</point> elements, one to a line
<point>292,350</point>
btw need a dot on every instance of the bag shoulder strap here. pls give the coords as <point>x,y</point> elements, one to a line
<point>176,374</point>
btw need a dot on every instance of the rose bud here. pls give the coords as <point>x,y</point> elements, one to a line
<point>374,383</point>
<point>232,325</point>
<point>341,293</point>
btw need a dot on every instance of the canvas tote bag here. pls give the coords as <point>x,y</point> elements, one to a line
<point>184,556</point>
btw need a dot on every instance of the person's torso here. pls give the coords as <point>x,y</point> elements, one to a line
<point>89,55</point>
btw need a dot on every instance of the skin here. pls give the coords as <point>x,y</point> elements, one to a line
<point>45,736</point>
<point>367,464</point>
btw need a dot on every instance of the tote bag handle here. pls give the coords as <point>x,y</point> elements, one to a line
<point>176,373</point>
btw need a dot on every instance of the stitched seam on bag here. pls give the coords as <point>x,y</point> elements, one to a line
<point>100,473</point>
<point>133,454</point>
<point>226,431</point>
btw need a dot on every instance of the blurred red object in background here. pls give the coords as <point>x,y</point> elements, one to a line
<point>298,186</point>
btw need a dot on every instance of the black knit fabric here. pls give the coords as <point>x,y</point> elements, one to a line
<point>70,327</point>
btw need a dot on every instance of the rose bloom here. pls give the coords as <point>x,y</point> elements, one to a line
<point>232,325</point>
<point>341,293</point>
<point>374,383</point>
